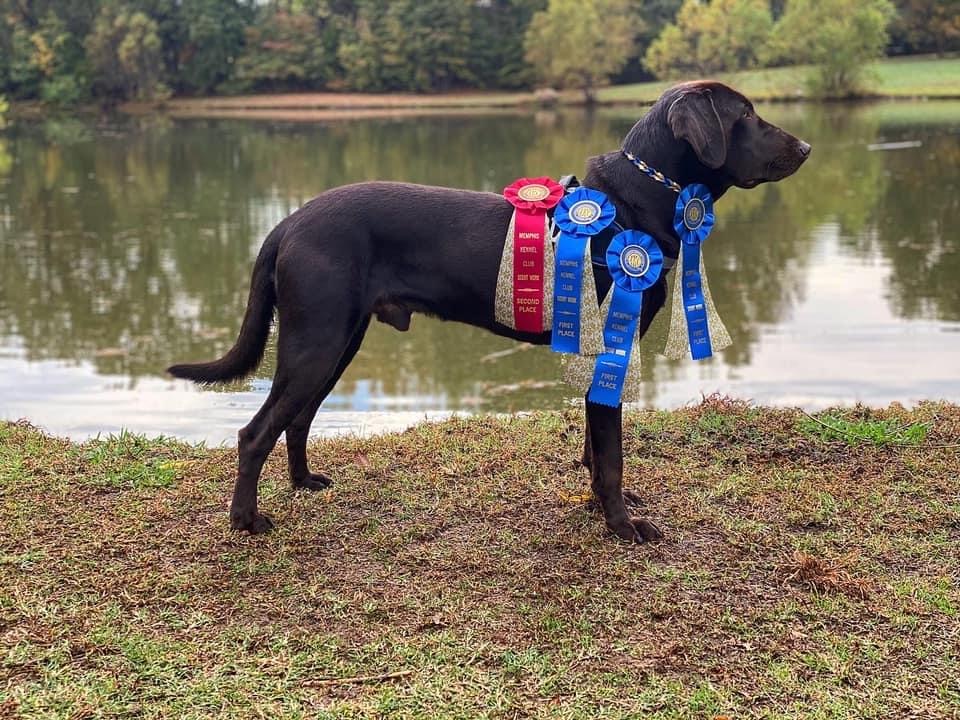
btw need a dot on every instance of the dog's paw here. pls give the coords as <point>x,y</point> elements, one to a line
<point>251,523</point>
<point>313,481</point>
<point>637,530</point>
<point>631,499</point>
<point>647,529</point>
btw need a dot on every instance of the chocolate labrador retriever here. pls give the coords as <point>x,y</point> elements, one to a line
<point>392,249</point>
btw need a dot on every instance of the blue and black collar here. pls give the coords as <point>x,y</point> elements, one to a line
<point>650,172</point>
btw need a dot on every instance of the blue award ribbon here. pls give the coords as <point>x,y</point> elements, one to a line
<point>634,260</point>
<point>581,214</point>
<point>693,220</point>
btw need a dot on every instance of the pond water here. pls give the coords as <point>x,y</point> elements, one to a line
<point>126,245</point>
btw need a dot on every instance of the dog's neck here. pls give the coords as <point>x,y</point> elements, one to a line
<point>642,202</point>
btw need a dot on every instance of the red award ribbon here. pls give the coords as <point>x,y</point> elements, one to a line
<point>531,197</point>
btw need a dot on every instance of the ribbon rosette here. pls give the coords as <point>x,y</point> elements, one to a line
<point>634,260</point>
<point>693,220</point>
<point>580,215</point>
<point>693,216</point>
<point>531,198</point>
<point>531,194</point>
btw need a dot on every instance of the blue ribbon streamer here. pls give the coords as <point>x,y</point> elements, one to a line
<point>693,220</point>
<point>567,295</point>
<point>634,260</point>
<point>581,214</point>
<point>694,306</point>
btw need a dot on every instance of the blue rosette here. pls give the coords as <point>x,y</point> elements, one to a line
<point>580,215</point>
<point>634,260</point>
<point>693,217</point>
<point>693,220</point>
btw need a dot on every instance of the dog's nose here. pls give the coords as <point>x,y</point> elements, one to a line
<point>804,148</point>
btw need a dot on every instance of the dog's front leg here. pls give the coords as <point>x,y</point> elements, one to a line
<point>605,438</point>
<point>630,498</point>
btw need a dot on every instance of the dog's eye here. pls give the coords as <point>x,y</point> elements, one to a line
<point>747,113</point>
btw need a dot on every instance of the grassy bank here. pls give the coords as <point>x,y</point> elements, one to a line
<point>895,78</point>
<point>810,569</point>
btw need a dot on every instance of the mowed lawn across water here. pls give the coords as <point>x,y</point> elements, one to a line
<point>810,569</point>
<point>897,77</point>
<point>891,77</point>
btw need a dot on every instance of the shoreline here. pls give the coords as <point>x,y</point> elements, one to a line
<point>203,109</point>
<point>909,79</point>
<point>917,78</point>
<point>321,107</point>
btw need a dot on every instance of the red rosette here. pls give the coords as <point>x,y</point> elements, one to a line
<point>531,198</point>
<point>532,194</point>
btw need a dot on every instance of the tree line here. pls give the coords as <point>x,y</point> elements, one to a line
<point>71,51</point>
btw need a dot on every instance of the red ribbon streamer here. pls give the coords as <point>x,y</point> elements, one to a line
<point>531,198</point>
<point>528,271</point>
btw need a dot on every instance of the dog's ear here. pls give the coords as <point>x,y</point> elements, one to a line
<point>693,117</point>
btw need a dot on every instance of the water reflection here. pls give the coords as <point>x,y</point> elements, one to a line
<point>127,245</point>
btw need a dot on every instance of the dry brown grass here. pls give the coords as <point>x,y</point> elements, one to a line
<point>822,575</point>
<point>453,571</point>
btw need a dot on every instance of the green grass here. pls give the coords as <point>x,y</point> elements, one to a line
<point>453,571</point>
<point>895,77</point>
<point>859,430</point>
<point>930,77</point>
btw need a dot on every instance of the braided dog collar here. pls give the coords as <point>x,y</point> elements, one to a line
<point>651,173</point>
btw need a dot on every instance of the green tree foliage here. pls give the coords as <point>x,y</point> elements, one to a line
<point>213,34</point>
<point>4,107</point>
<point>43,58</point>
<point>581,43</point>
<point>840,37</point>
<point>67,51</point>
<point>284,50</point>
<point>722,35</point>
<point>924,26</point>
<point>407,45</point>
<point>652,17</point>
<point>124,50</point>
<point>25,67</point>
<point>495,53</point>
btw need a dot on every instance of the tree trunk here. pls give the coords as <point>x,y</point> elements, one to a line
<point>589,91</point>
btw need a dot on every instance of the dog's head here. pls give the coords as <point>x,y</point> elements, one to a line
<point>728,136</point>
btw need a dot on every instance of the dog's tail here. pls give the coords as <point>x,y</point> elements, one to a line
<point>247,351</point>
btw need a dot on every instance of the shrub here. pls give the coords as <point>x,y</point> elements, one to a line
<point>602,31</point>
<point>61,90</point>
<point>839,37</point>
<point>124,50</point>
<point>723,35</point>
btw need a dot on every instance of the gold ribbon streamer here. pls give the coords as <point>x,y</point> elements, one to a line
<point>578,369</point>
<point>678,341</point>
<point>503,301</point>
<point>591,327</point>
<point>591,321</point>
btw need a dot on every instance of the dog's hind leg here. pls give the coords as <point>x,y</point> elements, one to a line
<point>606,469</point>
<point>305,365</point>
<point>299,430</point>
